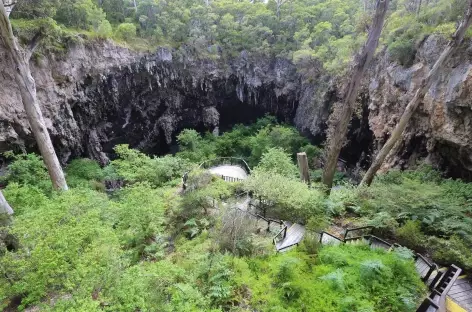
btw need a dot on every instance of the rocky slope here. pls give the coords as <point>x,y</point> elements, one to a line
<point>99,95</point>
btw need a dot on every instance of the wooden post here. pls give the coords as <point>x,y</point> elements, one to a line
<point>302,160</point>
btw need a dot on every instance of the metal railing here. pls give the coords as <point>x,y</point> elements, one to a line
<point>368,229</point>
<point>282,234</point>
<point>431,267</point>
<point>337,240</point>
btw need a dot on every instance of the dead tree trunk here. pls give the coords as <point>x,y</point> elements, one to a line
<point>302,160</point>
<point>418,9</point>
<point>4,206</point>
<point>27,87</point>
<point>341,117</point>
<point>420,93</point>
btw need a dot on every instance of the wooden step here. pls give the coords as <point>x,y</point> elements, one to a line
<point>294,235</point>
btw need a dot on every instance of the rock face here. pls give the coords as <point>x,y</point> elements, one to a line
<point>441,129</point>
<point>100,95</point>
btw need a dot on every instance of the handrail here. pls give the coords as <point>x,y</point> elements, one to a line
<point>323,232</point>
<point>432,266</point>
<point>442,300</point>
<point>381,240</point>
<point>258,216</point>
<point>284,229</point>
<point>358,229</point>
<point>441,304</point>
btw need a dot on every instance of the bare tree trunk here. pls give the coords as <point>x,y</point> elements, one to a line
<point>452,46</point>
<point>4,206</point>
<point>418,10</point>
<point>340,118</point>
<point>27,87</point>
<point>302,161</point>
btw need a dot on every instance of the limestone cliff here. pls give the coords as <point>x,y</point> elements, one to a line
<point>99,95</point>
<point>441,130</point>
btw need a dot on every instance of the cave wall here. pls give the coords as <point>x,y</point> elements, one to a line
<point>98,95</point>
<point>147,103</point>
<point>440,132</point>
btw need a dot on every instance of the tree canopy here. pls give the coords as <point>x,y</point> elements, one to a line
<point>327,31</point>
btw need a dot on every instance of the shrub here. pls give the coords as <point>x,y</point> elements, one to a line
<point>410,235</point>
<point>126,31</point>
<point>452,251</point>
<point>85,173</point>
<point>276,160</point>
<point>335,279</point>
<point>288,199</point>
<point>134,166</point>
<point>373,271</point>
<point>28,169</point>
<point>65,244</point>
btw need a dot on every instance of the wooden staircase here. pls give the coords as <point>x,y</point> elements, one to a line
<point>290,236</point>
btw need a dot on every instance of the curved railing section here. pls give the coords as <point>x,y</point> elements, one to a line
<point>221,161</point>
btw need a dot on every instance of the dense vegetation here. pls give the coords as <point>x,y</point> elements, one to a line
<point>310,32</point>
<point>125,237</point>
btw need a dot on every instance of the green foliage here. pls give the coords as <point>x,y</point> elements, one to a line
<point>133,166</point>
<point>278,136</point>
<point>432,211</point>
<point>410,235</point>
<point>290,199</point>
<point>28,169</point>
<point>405,29</point>
<point>126,31</point>
<point>319,34</point>
<point>293,281</point>
<point>66,244</point>
<point>85,173</point>
<point>279,162</point>
<point>194,147</point>
<point>249,142</point>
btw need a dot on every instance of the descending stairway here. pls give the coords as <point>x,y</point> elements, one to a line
<point>289,236</point>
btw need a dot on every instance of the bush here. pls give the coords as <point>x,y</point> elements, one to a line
<point>410,235</point>
<point>276,160</point>
<point>85,173</point>
<point>288,199</point>
<point>133,166</point>
<point>452,251</point>
<point>126,31</point>
<point>28,169</point>
<point>66,244</point>
<point>293,281</point>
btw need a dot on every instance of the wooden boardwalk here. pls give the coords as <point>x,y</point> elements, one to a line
<point>461,293</point>
<point>295,233</point>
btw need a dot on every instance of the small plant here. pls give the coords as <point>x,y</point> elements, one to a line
<point>336,280</point>
<point>410,235</point>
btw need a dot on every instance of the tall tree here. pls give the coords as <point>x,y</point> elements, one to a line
<point>341,116</point>
<point>27,87</point>
<point>4,206</point>
<point>420,93</point>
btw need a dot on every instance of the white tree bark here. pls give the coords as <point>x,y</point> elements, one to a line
<point>27,86</point>
<point>420,93</point>
<point>341,117</point>
<point>4,206</point>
